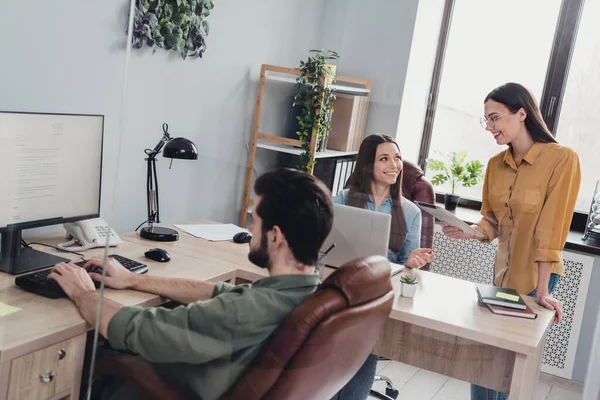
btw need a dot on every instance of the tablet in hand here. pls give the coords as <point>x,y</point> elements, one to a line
<point>449,218</point>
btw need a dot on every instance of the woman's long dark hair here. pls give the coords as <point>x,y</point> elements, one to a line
<point>359,186</point>
<point>515,97</point>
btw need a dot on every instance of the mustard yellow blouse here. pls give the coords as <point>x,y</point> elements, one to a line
<point>529,208</point>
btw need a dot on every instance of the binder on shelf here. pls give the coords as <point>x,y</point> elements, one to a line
<point>348,122</point>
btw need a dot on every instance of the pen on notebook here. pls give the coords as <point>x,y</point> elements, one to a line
<point>327,251</point>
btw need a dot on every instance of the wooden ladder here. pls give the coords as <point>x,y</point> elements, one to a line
<point>257,135</point>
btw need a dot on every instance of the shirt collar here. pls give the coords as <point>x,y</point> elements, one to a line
<point>283,282</point>
<point>388,200</point>
<point>531,156</point>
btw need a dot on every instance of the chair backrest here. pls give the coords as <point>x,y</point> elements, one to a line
<point>415,187</point>
<point>322,343</point>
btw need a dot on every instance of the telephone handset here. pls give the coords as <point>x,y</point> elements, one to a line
<point>89,234</point>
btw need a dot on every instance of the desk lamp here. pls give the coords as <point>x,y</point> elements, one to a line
<point>179,148</point>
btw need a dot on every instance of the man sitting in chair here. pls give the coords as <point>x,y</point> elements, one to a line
<point>205,345</point>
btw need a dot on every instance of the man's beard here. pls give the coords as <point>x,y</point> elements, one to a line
<point>260,257</point>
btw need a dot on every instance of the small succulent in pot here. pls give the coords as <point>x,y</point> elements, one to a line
<point>408,285</point>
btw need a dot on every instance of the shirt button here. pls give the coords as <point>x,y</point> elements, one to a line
<point>510,188</point>
<point>510,217</point>
<point>506,204</point>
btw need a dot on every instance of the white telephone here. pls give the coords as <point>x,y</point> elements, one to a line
<point>90,233</point>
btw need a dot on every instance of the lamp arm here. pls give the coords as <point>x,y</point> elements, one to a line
<point>152,177</point>
<point>159,146</point>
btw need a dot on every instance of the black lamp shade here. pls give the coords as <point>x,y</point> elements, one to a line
<point>180,148</point>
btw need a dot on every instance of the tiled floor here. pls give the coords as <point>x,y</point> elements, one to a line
<point>416,384</point>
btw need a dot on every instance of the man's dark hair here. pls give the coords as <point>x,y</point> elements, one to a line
<point>300,205</point>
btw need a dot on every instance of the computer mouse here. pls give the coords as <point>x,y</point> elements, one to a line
<point>242,237</point>
<point>157,254</point>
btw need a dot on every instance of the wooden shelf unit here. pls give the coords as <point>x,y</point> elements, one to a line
<point>344,84</point>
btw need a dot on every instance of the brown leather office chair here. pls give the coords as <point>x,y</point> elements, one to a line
<point>315,351</point>
<point>416,188</point>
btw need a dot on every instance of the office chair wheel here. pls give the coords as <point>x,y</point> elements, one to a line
<point>391,392</point>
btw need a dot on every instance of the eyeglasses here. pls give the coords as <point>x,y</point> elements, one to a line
<point>485,122</point>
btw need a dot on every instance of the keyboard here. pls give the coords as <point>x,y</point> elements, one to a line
<point>39,283</point>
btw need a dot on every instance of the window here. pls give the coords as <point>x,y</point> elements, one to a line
<point>418,77</point>
<point>483,44</point>
<point>479,58</point>
<point>579,122</point>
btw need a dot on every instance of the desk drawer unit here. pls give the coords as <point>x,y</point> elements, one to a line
<point>49,372</point>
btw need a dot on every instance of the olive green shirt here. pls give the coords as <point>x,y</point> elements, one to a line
<point>205,347</point>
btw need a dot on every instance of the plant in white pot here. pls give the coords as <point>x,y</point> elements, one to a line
<point>457,171</point>
<point>408,285</point>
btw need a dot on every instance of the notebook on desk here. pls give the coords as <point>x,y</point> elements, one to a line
<point>497,296</point>
<point>513,312</point>
<point>396,268</point>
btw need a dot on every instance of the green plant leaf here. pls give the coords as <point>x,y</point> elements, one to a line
<point>439,179</point>
<point>457,170</point>
<point>435,165</point>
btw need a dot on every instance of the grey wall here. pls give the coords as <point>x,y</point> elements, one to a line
<point>373,39</point>
<point>588,325</point>
<point>69,57</point>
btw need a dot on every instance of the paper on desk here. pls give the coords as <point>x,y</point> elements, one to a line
<point>5,309</point>
<point>212,232</point>
<point>396,268</point>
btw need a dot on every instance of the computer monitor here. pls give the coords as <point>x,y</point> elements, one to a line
<point>51,169</point>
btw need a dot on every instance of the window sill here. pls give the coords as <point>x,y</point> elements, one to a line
<point>574,242</point>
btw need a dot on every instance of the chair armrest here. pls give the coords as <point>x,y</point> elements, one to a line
<point>140,372</point>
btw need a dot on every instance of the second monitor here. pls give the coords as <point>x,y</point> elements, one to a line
<point>51,174</point>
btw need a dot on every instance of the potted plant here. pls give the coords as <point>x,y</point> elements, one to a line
<point>408,285</point>
<point>315,96</point>
<point>179,25</point>
<point>456,170</point>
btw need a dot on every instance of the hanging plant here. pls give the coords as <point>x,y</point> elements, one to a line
<point>316,95</point>
<point>178,25</point>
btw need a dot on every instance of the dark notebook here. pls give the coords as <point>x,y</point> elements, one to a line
<point>527,313</point>
<point>502,297</point>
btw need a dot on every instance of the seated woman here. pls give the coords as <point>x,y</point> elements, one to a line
<point>376,184</point>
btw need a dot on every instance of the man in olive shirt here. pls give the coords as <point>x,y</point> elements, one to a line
<point>205,345</point>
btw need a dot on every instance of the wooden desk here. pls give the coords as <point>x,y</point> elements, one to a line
<point>451,335</point>
<point>31,339</point>
<point>443,329</point>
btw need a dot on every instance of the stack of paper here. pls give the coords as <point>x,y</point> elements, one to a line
<point>212,232</point>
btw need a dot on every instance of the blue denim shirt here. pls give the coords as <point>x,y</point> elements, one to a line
<point>412,215</point>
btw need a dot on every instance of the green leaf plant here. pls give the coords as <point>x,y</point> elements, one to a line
<point>315,98</point>
<point>179,25</point>
<point>456,170</point>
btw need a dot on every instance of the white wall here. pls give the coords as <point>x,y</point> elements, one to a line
<point>68,56</point>
<point>373,39</point>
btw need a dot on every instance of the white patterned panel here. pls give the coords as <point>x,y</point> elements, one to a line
<point>561,345</point>
<point>469,260</point>
<point>473,261</point>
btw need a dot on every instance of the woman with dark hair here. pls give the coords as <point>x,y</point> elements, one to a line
<point>376,184</point>
<point>528,200</point>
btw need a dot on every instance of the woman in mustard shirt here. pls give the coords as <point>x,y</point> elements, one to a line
<point>528,201</point>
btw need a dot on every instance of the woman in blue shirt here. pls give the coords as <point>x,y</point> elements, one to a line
<point>376,184</point>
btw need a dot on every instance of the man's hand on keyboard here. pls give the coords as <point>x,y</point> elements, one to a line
<point>117,276</point>
<point>72,279</point>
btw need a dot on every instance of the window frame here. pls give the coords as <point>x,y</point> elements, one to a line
<point>563,45</point>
